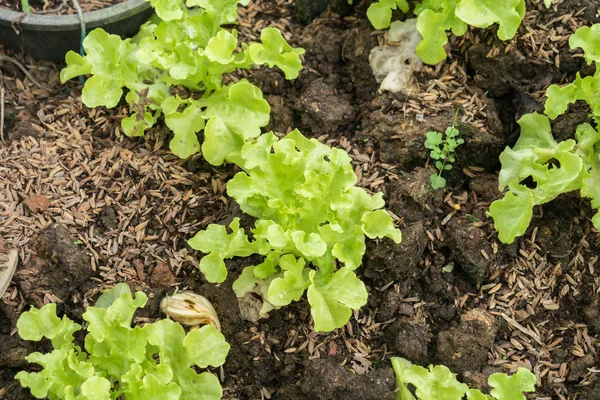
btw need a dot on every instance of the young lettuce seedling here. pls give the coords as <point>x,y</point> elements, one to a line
<point>439,383</point>
<point>120,362</point>
<point>554,167</point>
<point>435,17</point>
<point>311,226</point>
<point>174,68</point>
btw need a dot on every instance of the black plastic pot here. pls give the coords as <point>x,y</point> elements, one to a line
<point>49,37</point>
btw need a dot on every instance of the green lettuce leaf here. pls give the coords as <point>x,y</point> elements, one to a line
<point>174,67</point>
<point>555,168</point>
<point>309,214</point>
<point>380,13</point>
<point>153,361</point>
<point>439,383</point>
<point>508,14</point>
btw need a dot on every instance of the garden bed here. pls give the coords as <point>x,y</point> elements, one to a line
<point>88,207</point>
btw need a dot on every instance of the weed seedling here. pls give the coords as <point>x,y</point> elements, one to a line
<point>442,151</point>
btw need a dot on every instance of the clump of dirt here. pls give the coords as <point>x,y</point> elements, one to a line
<point>468,244</point>
<point>322,110</point>
<point>356,48</point>
<point>324,379</point>
<point>486,186</point>
<point>22,129</point>
<point>412,197</point>
<point>409,339</point>
<point>323,44</point>
<point>465,347</point>
<point>401,141</point>
<point>57,266</point>
<point>386,261</point>
<point>108,218</point>
<point>510,71</point>
<point>282,115</point>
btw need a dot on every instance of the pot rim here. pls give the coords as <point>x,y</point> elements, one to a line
<point>70,22</point>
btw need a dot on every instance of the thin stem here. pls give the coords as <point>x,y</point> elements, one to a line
<point>445,138</point>
<point>25,6</point>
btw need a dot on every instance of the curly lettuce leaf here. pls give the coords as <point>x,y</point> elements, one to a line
<point>332,299</point>
<point>309,214</point>
<point>185,125</point>
<point>380,13</point>
<point>36,324</point>
<point>153,361</point>
<point>439,383</point>
<point>555,168</point>
<point>433,22</point>
<point>175,66</point>
<point>274,50</point>
<point>220,245</point>
<point>512,387</point>
<point>585,89</point>
<point>168,10</point>
<point>508,14</point>
<point>235,114</point>
<point>588,39</point>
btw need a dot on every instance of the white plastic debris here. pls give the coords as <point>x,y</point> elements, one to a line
<point>394,65</point>
<point>8,264</point>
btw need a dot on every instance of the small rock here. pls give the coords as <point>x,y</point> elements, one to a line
<point>465,347</point>
<point>409,339</point>
<point>162,276</point>
<point>389,305</point>
<point>406,309</point>
<point>37,203</point>
<point>521,315</point>
<point>578,368</point>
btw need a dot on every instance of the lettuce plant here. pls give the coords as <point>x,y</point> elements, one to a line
<point>436,17</point>
<point>439,383</point>
<point>311,227</point>
<point>155,361</point>
<point>586,89</point>
<point>554,168</point>
<point>174,67</point>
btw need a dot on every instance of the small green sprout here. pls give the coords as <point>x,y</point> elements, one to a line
<point>442,150</point>
<point>78,242</point>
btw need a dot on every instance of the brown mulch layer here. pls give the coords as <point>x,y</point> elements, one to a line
<point>58,7</point>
